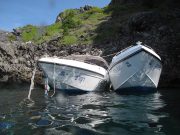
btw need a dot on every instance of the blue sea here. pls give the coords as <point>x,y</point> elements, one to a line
<point>103,113</point>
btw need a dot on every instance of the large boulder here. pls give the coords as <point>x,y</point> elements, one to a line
<point>144,21</point>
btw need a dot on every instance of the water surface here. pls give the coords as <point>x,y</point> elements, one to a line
<point>106,113</point>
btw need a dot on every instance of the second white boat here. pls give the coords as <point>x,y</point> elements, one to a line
<point>135,68</point>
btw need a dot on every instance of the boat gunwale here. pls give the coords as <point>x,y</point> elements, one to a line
<point>134,53</point>
<point>103,76</point>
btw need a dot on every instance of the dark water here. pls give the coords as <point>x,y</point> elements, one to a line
<point>89,114</point>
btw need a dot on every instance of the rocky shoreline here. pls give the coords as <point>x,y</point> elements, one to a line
<point>157,29</point>
<point>17,59</point>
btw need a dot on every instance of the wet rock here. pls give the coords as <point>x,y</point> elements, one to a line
<point>4,78</point>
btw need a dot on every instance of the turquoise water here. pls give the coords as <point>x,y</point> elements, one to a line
<point>106,113</point>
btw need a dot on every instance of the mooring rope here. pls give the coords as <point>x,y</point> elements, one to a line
<point>32,82</point>
<point>54,83</point>
<point>112,54</point>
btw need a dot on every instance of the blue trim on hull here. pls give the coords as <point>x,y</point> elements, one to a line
<point>72,91</point>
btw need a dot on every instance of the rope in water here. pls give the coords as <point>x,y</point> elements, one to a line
<point>32,83</point>
<point>54,82</point>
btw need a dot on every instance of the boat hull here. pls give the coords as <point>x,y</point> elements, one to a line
<point>72,79</point>
<point>138,72</point>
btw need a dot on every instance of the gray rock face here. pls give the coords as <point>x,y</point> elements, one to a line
<point>16,32</point>
<point>59,18</point>
<point>141,21</point>
<point>13,62</point>
<point>87,7</point>
<point>17,59</point>
<point>148,3</point>
<point>4,35</point>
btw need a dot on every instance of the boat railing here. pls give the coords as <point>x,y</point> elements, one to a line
<point>123,50</point>
<point>104,65</point>
<point>149,47</point>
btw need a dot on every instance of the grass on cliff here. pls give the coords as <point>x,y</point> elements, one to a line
<point>75,27</point>
<point>96,25</point>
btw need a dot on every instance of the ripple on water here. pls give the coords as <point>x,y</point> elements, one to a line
<point>93,106</point>
<point>82,120</point>
<point>92,113</point>
<point>43,123</point>
<point>76,130</point>
<point>61,117</point>
<point>6,125</point>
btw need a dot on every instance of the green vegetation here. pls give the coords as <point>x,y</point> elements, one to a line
<point>40,34</point>
<point>75,27</point>
<point>79,26</point>
<point>30,33</point>
<point>12,37</point>
<point>70,20</point>
<point>69,40</point>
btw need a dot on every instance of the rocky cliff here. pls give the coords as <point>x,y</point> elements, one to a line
<point>18,59</point>
<point>98,32</point>
<point>155,23</point>
<point>148,3</point>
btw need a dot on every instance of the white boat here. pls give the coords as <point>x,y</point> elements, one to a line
<point>74,76</point>
<point>135,68</point>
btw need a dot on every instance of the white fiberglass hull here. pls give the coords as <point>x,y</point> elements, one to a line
<point>72,79</point>
<point>139,71</point>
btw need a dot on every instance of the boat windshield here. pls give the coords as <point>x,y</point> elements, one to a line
<point>94,60</point>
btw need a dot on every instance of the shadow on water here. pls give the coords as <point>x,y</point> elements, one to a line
<point>142,113</point>
<point>171,98</point>
<point>136,91</point>
<point>90,113</point>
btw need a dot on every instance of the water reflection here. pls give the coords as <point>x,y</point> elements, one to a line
<point>90,113</point>
<point>171,124</point>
